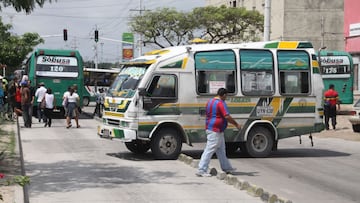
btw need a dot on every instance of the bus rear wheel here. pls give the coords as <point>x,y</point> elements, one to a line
<point>259,142</point>
<point>166,144</point>
<point>137,146</point>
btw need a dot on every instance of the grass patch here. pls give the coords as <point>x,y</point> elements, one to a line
<point>7,140</point>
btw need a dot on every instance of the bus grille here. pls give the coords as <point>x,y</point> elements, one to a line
<point>113,122</point>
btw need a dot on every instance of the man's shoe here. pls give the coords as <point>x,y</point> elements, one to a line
<point>230,171</point>
<point>202,174</point>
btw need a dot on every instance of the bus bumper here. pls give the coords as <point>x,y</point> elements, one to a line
<point>118,133</point>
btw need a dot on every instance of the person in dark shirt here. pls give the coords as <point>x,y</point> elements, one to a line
<point>331,99</point>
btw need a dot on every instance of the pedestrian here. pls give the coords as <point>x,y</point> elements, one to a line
<point>32,95</point>
<point>100,98</point>
<point>65,100</point>
<point>39,94</point>
<point>2,96</point>
<point>50,102</point>
<point>331,99</point>
<point>25,103</point>
<point>73,103</point>
<point>217,116</point>
<point>17,107</point>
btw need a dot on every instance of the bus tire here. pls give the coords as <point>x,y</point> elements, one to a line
<point>231,147</point>
<point>259,142</point>
<point>243,149</point>
<point>166,144</point>
<point>86,101</point>
<point>137,146</point>
<point>356,128</point>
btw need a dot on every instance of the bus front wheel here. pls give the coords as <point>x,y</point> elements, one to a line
<point>137,146</point>
<point>259,142</point>
<point>166,144</point>
<point>356,128</point>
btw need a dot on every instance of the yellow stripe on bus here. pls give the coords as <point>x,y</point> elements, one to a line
<point>288,45</point>
<point>115,114</point>
<point>185,60</point>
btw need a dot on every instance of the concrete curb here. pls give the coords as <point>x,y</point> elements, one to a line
<point>253,190</point>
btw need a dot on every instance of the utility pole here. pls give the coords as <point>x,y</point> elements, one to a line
<point>322,32</point>
<point>267,20</point>
<point>140,42</point>
<point>96,35</point>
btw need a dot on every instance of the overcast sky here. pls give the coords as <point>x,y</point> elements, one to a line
<point>82,17</point>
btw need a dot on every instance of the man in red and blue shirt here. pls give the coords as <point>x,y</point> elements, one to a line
<point>331,99</point>
<point>217,118</point>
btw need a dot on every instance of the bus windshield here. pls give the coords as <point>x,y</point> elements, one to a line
<point>57,66</point>
<point>127,81</point>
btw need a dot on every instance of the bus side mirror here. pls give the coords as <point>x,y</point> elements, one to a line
<point>143,92</point>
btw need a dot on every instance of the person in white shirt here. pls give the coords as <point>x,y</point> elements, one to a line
<point>65,100</point>
<point>39,94</point>
<point>72,104</point>
<point>49,106</point>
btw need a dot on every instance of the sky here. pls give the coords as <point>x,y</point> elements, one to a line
<point>82,17</point>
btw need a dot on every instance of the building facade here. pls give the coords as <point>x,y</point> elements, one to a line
<point>320,22</point>
<point>352,35</point>
<point>334,24</point>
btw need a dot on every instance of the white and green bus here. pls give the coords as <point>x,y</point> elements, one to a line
<point>158,100</point>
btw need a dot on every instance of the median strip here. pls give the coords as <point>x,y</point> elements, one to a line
<point>253,190</point>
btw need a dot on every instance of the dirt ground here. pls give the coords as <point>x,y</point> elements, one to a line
<point>10,165</point>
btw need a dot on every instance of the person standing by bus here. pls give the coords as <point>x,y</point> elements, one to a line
<point>217,117</point>
<point>25,103</point>
<point>49,106</point>
<point>39,94</point>
<point>73,102</point>
<point>331,99</point>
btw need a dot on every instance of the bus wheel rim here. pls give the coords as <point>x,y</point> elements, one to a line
<point>167,144</point>
<point>259,142</point>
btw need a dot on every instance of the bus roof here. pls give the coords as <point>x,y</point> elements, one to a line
<point>152,56</point>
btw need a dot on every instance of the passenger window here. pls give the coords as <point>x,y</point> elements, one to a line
<point>214,70</point>
<point>257,73</point>
<point>163,86</point>
<point>294,68</point>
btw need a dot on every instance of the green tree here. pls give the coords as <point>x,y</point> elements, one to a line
<point>164,27</point>
<point>168,27</point>
<point>14,49</point>
<point>23,5</point>
<point>229,24</point>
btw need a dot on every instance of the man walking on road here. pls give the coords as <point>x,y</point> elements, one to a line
<point>331,99</point>
<point>217,116</point>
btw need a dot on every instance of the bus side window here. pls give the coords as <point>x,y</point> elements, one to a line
<point>163,86</point>
<point>215,69</point>
<point>294,68</point>
<point>257,72</point>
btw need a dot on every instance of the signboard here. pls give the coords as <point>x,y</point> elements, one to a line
<point>127,46</point>
<point>354,29</point>
<point>57,66</point>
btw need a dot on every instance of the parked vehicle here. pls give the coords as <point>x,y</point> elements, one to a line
<point>158,100</point>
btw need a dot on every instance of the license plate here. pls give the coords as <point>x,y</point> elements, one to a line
<point>106,133</point>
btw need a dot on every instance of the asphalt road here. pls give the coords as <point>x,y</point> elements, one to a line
<point>74,165</point>
<point>327,172</point>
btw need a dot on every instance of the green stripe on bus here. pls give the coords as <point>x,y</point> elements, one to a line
<point>272,45</point>
<point>118,133</point>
